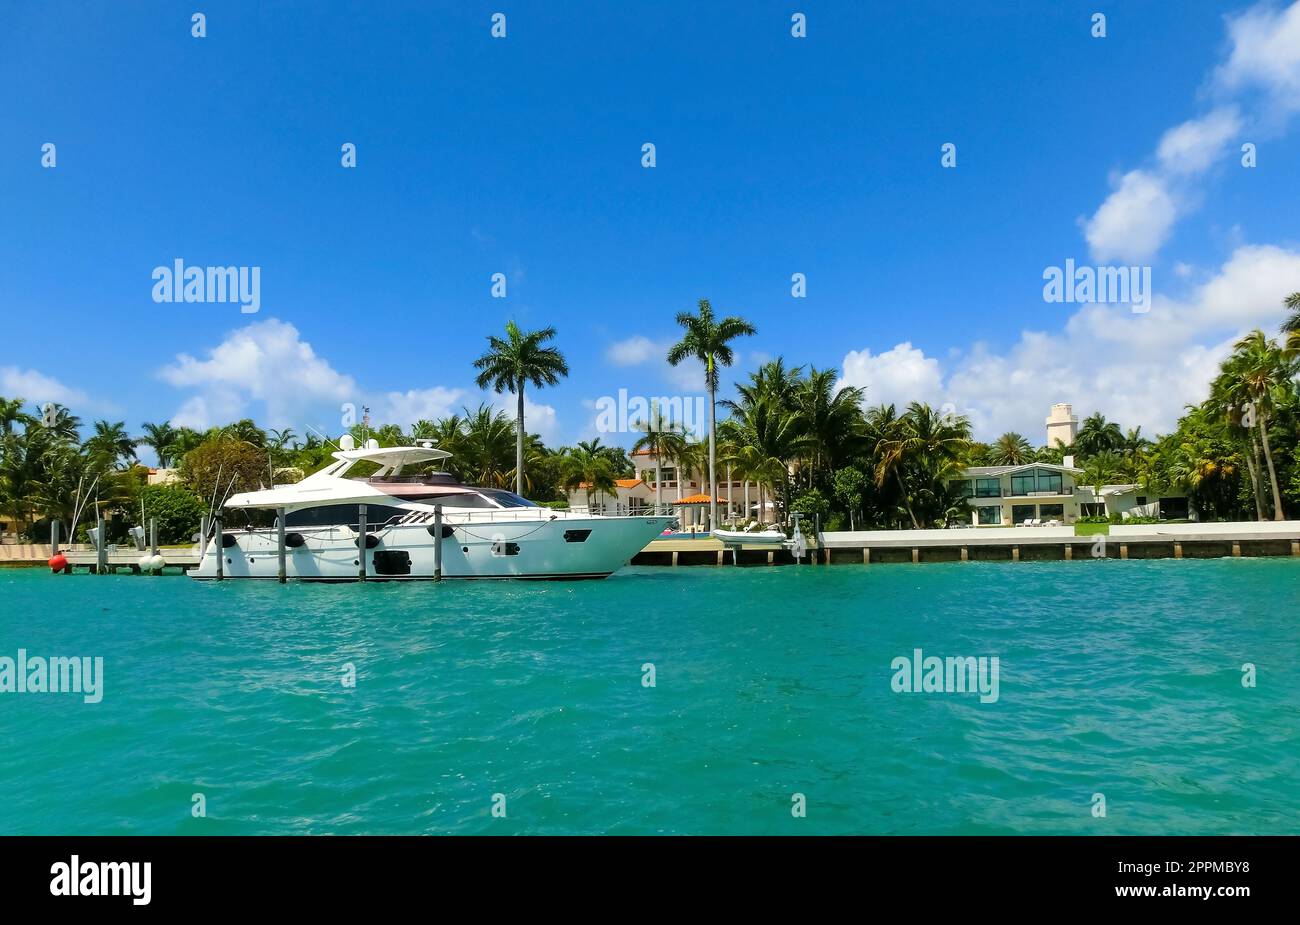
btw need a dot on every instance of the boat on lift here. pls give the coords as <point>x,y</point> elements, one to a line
<point>485,532</point>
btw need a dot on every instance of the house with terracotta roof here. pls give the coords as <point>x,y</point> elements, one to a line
<point>630,496</point>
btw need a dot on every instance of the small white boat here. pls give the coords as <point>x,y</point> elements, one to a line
<point>750,537</point>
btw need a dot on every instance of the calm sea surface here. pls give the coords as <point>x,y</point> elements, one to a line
<point>1119,678</point>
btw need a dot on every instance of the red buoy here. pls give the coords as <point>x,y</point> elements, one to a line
<point>58,562</point>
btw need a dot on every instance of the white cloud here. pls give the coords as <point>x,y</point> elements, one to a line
<point>538,418</point>
<point>1138,369</point>
<point>405,408</point>
<point>686,378</point>
<point>633,351</point>
<point>37,388</point>
<point>265,362</point>
<point>1134,221</point>
<point>1193,146</point>
<point>1265,54</point>
<point>898,376</point>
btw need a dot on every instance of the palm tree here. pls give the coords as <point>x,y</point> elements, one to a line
<point>661,437</point>
<point>1291,327</point>
<point>280,439</point>
<point>512,363</point>
<point>1134,444</point>
<point>589,470</point>
<point>61,423</point>
<point>928,446</point>
<point>831,420</point>
<point>1097,435</point>
<point>709,342</point>
<point>484,447</point>
<point>1098,470</point>
<point>1229,399</point>
<point>111,441</point>
<point>1263,370</point>
<point>161,438</point>
<point>11,413</point>
<point>762,437</point>
<point>1011,449</point>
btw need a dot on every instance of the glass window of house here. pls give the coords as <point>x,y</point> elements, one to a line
<point>1022,512</point>
<point>963,486</point>
<point>987,488</point>
<point>1052,511</point>
<point>990,514</point>
<point>1023,483</point>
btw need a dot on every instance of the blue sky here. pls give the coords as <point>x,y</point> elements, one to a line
<point>522,155</point>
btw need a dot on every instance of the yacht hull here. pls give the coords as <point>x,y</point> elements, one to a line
<point>565,547</point>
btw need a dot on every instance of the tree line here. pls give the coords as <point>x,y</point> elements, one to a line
<point>804,444</point>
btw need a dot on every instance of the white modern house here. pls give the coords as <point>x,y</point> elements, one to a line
<point>1040,493</point>
<point>1043,493</point>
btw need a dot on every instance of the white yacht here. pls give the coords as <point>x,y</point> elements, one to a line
<point>486,532</point>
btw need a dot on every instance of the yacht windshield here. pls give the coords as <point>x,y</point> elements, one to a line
<point>505,498</point>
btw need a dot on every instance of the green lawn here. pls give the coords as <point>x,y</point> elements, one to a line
<point>1091,529</point>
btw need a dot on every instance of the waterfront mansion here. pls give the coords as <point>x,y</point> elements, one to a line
<point>1040,493</point>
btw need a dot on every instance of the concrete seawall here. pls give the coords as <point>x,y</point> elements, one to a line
<point>993,544</point>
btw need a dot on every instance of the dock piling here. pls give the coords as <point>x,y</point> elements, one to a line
<point>101,548</point>
<point>153,536</point>
<point>437,542</point>
<point>361,542</point>
<point>220,539</point>
<point>54,538</point>
<point>282,571</point>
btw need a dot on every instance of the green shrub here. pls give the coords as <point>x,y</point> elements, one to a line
<point>810,504</point>
<point>178,510</point>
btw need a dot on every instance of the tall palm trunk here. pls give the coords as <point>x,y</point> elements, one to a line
<point>659,486</point>
<point>1278,513</point>
<point>907,502</point>
<point>519,443</point>
<point>713,453</point>
<point>1252,463</point>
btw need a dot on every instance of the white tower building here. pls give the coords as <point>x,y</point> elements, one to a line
<point>1062,425</point>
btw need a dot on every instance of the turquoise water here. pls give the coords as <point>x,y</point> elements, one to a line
<point>1117,677</point>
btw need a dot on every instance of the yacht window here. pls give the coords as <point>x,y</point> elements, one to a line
<point>330,515</point>
<point>451,499</point>
<point>506,498</point>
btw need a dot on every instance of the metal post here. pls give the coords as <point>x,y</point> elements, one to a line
<point>153,536</point>
<point>204,525</point>
<point>101,551</point>
<point>437,542</point>
<point>361,543</point>
<point>54,538</point>
<point>219,538</point>
<point>279,521</point>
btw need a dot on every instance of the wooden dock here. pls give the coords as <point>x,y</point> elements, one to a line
<point>178,560</point>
